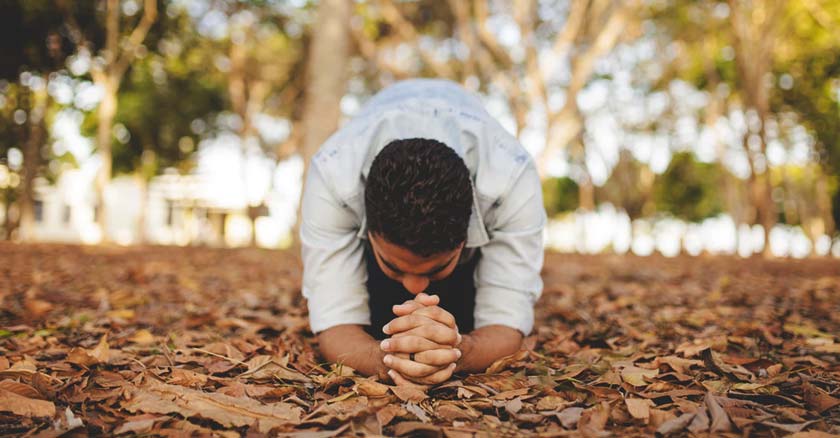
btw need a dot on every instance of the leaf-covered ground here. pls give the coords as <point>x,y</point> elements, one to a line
<point>202,342</point>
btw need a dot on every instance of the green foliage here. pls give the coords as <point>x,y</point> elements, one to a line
<point>560,195</point>
<point>179,97</point>
<point>629,186</point>
<point>689,189</point>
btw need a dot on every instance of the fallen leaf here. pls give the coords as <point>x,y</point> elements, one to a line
<point>25,406</point>
<point>450,412</point>
<point>715,361</point>
<point>552,403</point>
<point>370,388</point>
<point>818,399</point>
<point>636,376</point>
<point>87,358</point>
<point>594,420</point>
<point>410,393</point>
<point>659,417</point>
<point>21,389</point>
<point>161,398</point>
<point>142,337</point>
<point>569,417</point>
<point>674,425</point>
<point>678,364</point>
<point>514,406</point>
<point>417,411</point>
<point>719,420</point>
<point>415,428</point>
<point>639,408</point>
<point>387,414</point>
<point>267,368</point>
<point>139,424</point>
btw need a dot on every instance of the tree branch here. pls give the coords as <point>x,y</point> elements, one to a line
<point>407,31</point>
<point>135,40</point>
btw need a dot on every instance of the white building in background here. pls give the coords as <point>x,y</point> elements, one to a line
<point>179,210</point>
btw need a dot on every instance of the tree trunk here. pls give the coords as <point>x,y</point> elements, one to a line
<point>586,194</point>
<point>31,162</point>
<point>105,119</point>
<point>326,78</point>
<point>327,74</point>
<point>143,184</point>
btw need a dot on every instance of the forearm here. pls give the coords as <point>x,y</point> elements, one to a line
<point>352,346</point>
<point>485,345</point>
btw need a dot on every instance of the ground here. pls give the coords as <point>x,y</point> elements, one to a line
<point>195,341</point>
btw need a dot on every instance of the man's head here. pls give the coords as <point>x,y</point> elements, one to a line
<point>418,199</point>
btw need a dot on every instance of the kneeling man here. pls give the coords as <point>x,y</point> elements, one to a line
<point>422,237</point>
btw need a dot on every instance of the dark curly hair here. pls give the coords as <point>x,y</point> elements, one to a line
<point>419,196</point>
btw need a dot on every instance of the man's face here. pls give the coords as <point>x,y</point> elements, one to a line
<point>414,272</point>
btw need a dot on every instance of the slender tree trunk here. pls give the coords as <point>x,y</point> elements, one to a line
<point>824,204</point>
<point>105,124</point>
<point>117,57</point>
<point>31,162</point>
<point>586,194</point>
<point>329,54</point>
<point>143,184</point>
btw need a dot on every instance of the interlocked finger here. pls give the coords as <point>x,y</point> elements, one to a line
<point>409,368</point>
<point>437,333</point>
<point>409,344</point>
<point>437,314</point>
<point>439,357</point>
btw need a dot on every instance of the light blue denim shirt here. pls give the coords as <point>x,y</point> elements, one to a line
<point>506,225</point>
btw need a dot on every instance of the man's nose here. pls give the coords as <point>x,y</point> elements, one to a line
<point>415,284</point>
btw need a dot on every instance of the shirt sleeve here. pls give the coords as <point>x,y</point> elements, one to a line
<point>507,276</point>
<point>334,273</point>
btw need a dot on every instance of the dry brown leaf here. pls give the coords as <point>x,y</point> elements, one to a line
<point>514,406</point>
<point>639,408</point>
<point>676,424</point>
<point>370,388</point>
<point>183,377</point>
<point>87,358</point>
<point>262,368</point>
<point>719,420</point>
<point>415,428</point>
<point>450,412</point>
<point>637,376</point>
<point>142,337</point>
<point>552,403</point>
<point>21,389</point>
<point>593,420</point>
<point>417,411</point>
<point>25,406</point>
<point>659,417</point>
<point>410,393</point>
<point>388,413</point>
<point>817,398</point>
<point>716,362</point>
<point>813,434</point>
<point>139,424</point>
<point>161,398</point>
<point>678,364</point>
<point>569,417</point>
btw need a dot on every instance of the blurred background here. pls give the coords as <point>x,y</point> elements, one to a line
<point>658,126</point>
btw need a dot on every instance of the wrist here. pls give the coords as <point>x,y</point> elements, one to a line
<point>377,355</point>
<point>465,347</point>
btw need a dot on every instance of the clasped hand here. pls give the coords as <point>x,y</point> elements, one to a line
<point>422,347</point>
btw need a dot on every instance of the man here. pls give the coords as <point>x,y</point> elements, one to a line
<point>422,237</point>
